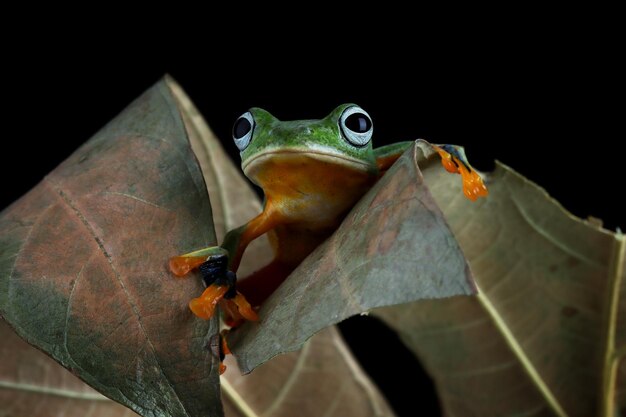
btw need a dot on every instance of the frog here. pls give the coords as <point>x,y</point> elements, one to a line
<point>312,172</point>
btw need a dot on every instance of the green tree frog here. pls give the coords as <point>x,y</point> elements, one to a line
<point>312,173</point>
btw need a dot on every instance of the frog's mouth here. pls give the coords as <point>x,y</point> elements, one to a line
<point>294,154</point>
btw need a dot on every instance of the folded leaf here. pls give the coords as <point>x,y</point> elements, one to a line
<point>393,247</point>
<point>83,271</point>
<point>547,333</point>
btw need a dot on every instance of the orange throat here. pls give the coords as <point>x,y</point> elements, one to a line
<point>311,190</point>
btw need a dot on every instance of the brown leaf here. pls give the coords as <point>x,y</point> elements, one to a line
<point>32,384</point>
<point>83,270</point>
<point>393,247</point>
<point>322,379</point>
<point>323,376</point>
<point>543,336</point>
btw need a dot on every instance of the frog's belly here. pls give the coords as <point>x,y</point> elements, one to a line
<point>310,196</point>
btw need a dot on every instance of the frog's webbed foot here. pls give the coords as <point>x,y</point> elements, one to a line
<point>454,161</point>
<point>221,288</point>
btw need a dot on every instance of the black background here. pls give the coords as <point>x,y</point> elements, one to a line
<point>545,107</point>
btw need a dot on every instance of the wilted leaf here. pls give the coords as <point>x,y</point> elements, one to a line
<point>32,384</point>
<point>547,331</point>
<point>322,378</point>
<point>83,264</point>
<point>393,247</point>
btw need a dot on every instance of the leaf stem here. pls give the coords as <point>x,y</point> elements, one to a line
<point>610,361</point>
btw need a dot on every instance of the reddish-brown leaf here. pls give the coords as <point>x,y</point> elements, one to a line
<point>83,273</point>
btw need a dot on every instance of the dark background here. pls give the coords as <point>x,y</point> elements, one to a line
<point>547,108</point>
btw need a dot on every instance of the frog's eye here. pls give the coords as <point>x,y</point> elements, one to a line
<point>356,126</point>
<point>242,130</point>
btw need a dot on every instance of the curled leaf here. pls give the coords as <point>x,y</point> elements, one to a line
<point>83,272</point>
<point>546,334</point>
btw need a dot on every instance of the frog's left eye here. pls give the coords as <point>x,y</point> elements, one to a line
<point>356,126</point>
<point>242,130</point>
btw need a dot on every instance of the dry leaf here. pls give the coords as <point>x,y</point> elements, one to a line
<point>547,333</point>
<point>321,379</point>
<point>83,264</point>
<point>32,384</point>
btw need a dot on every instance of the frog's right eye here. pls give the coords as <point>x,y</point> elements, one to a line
<point>242,130</point>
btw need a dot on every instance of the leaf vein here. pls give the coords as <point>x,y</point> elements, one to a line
<point>137,199</point>
<point>57,392</point>
<point>65,198</point>
<point>291,381</point>
<point>519,352</point>
<point>564,247</point>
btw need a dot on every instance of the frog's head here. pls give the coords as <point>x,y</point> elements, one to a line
<point>341,138</point>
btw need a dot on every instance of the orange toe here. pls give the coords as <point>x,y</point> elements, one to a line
<point>237,310</point>
<point>204,306</point>
<point>232,317</point>
<point>446,160</point>
<point>244,307</point>
<point>197,308</point>
<point>473,186</point>
<point>181,265</point>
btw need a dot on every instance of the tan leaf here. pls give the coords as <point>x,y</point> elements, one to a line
<point>322,379</point>
<point>547,331</point>
<point>32,384</point>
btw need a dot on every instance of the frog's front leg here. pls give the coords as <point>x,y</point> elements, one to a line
<point>183,264</point>
<point>235,243</point>
<point>218,266</point>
